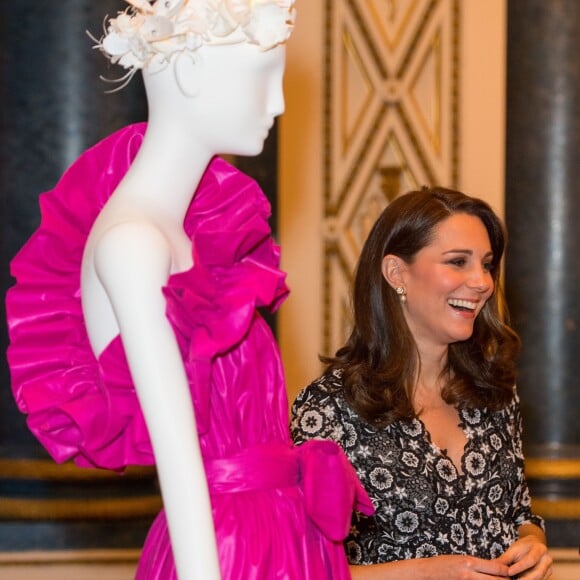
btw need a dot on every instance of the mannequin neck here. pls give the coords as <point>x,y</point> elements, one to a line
<point>166,171</point>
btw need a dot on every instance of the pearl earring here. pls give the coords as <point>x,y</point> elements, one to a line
<point>402,293</point>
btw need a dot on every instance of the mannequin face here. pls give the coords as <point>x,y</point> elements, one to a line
<point>238,97</point>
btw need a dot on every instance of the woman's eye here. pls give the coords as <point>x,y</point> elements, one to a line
<point>489,267</point>
<point>457,262</point>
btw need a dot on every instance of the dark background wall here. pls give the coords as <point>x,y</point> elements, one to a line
<point>53,106</point>
<point>543,259</point>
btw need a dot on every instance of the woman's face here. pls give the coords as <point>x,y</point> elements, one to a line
<point>448,283</point>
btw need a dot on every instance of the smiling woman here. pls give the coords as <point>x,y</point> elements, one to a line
<point>422,399</point>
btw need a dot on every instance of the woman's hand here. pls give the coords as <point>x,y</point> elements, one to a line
<point>435,568</point>
<point>528,558</point>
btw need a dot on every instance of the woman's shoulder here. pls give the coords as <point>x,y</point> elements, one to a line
<point>512,405</point>
<point>328,385</point>
<point>506,419</point>
<point>325,394</point>
<point>319,408</point>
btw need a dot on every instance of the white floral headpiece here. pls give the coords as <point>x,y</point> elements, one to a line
<point>149,32</point>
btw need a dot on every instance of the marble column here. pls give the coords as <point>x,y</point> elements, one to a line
<point>543,260</point>
<point>52,107</point>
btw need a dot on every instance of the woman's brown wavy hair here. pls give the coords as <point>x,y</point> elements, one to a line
<point>380,360</point>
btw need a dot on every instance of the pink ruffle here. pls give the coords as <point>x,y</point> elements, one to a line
<point>212,305</point>
<point>86,409</point>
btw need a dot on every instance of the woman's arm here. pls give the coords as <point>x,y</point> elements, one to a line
<point>528,555</point>
<point>435,568</point>
<point>133,263</point>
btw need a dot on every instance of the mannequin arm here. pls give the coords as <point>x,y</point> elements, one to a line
<point>133,262</point>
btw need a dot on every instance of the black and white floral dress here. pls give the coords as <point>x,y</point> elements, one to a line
<point>424,507</point>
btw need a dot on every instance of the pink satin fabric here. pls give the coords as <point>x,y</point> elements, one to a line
<point>312,489</point>
<point>279,512</point>
<point>327,480</point>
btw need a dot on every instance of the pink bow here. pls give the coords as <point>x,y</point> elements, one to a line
<point>331,488</point>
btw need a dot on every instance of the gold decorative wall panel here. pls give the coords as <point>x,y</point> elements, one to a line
<point>390,124</point>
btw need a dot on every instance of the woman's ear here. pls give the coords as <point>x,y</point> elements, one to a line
<point>393,268</point>
<point>188,72</point>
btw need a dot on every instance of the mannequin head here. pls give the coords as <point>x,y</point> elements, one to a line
<point>225,97</point>
<point>212,68</point>
<point>151,33</point>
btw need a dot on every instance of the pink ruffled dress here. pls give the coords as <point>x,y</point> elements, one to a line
<point>280,511</point>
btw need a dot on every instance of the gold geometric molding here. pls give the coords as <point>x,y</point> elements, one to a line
<point>553,469</point>
<point>92,506</point>
<point>47,470</point>
<point>556,509</point>
<point>392,20</point>
<point>79,509</point>
<point>391,123</point>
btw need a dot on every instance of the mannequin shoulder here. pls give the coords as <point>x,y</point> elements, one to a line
<point>130,248</point>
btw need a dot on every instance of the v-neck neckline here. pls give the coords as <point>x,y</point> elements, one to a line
<point>460,471</point>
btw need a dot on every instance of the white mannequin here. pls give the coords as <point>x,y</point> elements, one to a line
<point>219,99</point>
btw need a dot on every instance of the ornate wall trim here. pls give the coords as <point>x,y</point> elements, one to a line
<point>391,123</point>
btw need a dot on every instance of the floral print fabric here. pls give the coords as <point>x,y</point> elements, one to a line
<point>424,505</point>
